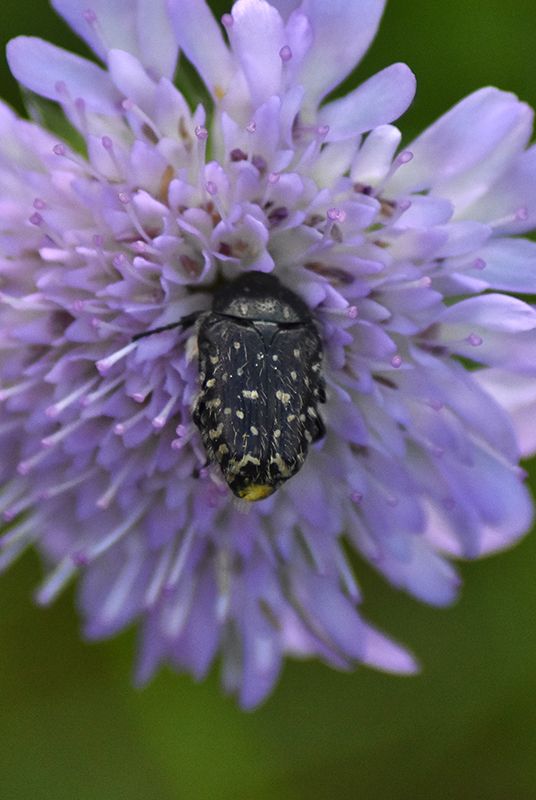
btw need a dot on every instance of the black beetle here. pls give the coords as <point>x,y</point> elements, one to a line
<point>260,359</point>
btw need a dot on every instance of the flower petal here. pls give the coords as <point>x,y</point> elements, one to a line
<point>140,28</point>
<point>41,67</point>
<point>381,99</point>
<point>510,265</point>
<point>199,36</point>
<point>382,653</point>
<point>462,153</point>
<point>492,329</point>
<point>342,33</point>
<point>514,191</point>
<point>517,394</point>
<point>256,36</point>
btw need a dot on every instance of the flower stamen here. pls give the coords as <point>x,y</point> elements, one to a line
<point>56,581</point>
<point>402,158</point>
<point>113,536</point>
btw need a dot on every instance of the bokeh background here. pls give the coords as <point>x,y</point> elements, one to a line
<point>73,728</point>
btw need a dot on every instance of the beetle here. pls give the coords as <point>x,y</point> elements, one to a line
<point>260,373</point>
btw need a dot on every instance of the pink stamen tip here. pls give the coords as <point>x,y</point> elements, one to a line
<point>124,197</point>
<point>352,312</point>
<point>59,150</point>
<point>90,16</point>
<point>36,219</point>
<point>323,130</point>
<point>127,104</point>
<point>181,430</point>
<point>333,214</point>
<point>285,54</point>
<point>201,133</point>
<point>404,157</point>
<point>227,20</point>
<point>522,214</point>
<point>251,127</point>
<point>98,241</point>
<point>435,403</point>
<point>107,142</point>
<point>396,362</point>
<point>60,87</point>
<point>478,263</point>
<point>273,177</point>
<point>211,188</point>
<point>80,104</point>
<point>38,203</point>
<point>474,340</point>
<point>140,247</point>
<point>403,205</point>
<point>356,497</point>
<point>118,260</point>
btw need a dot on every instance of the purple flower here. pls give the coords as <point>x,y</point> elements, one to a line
<point>129,223</point>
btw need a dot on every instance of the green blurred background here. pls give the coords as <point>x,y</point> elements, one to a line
<point>73,728</point>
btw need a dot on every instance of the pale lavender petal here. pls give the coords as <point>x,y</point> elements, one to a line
<point>422,572</point>
<point>140,28</point>
<point>199,36</point>
<point>381,99</point>
<point>508,265</point>
<point>103,24</point>
<point>342,34</point>
<point>43,68</point>
<point>286,7</point>
<point>383,653</point>
<point>375,156</point>
<point>257,38</point>
<point>517,394</point>
<point>492,311</point>
<point>157,42</point>
<point>511,199</point>
<point>128,74</point>
<point>475,140</point>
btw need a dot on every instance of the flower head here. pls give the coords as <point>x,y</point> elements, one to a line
<point>141,214</point>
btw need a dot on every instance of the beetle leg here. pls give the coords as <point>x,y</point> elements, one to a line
<point>185,322</point>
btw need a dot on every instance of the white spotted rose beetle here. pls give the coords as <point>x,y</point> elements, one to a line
<point>260,358</point>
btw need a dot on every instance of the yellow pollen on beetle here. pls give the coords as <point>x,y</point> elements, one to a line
<point>215,432</point>
<point>256,491</point>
